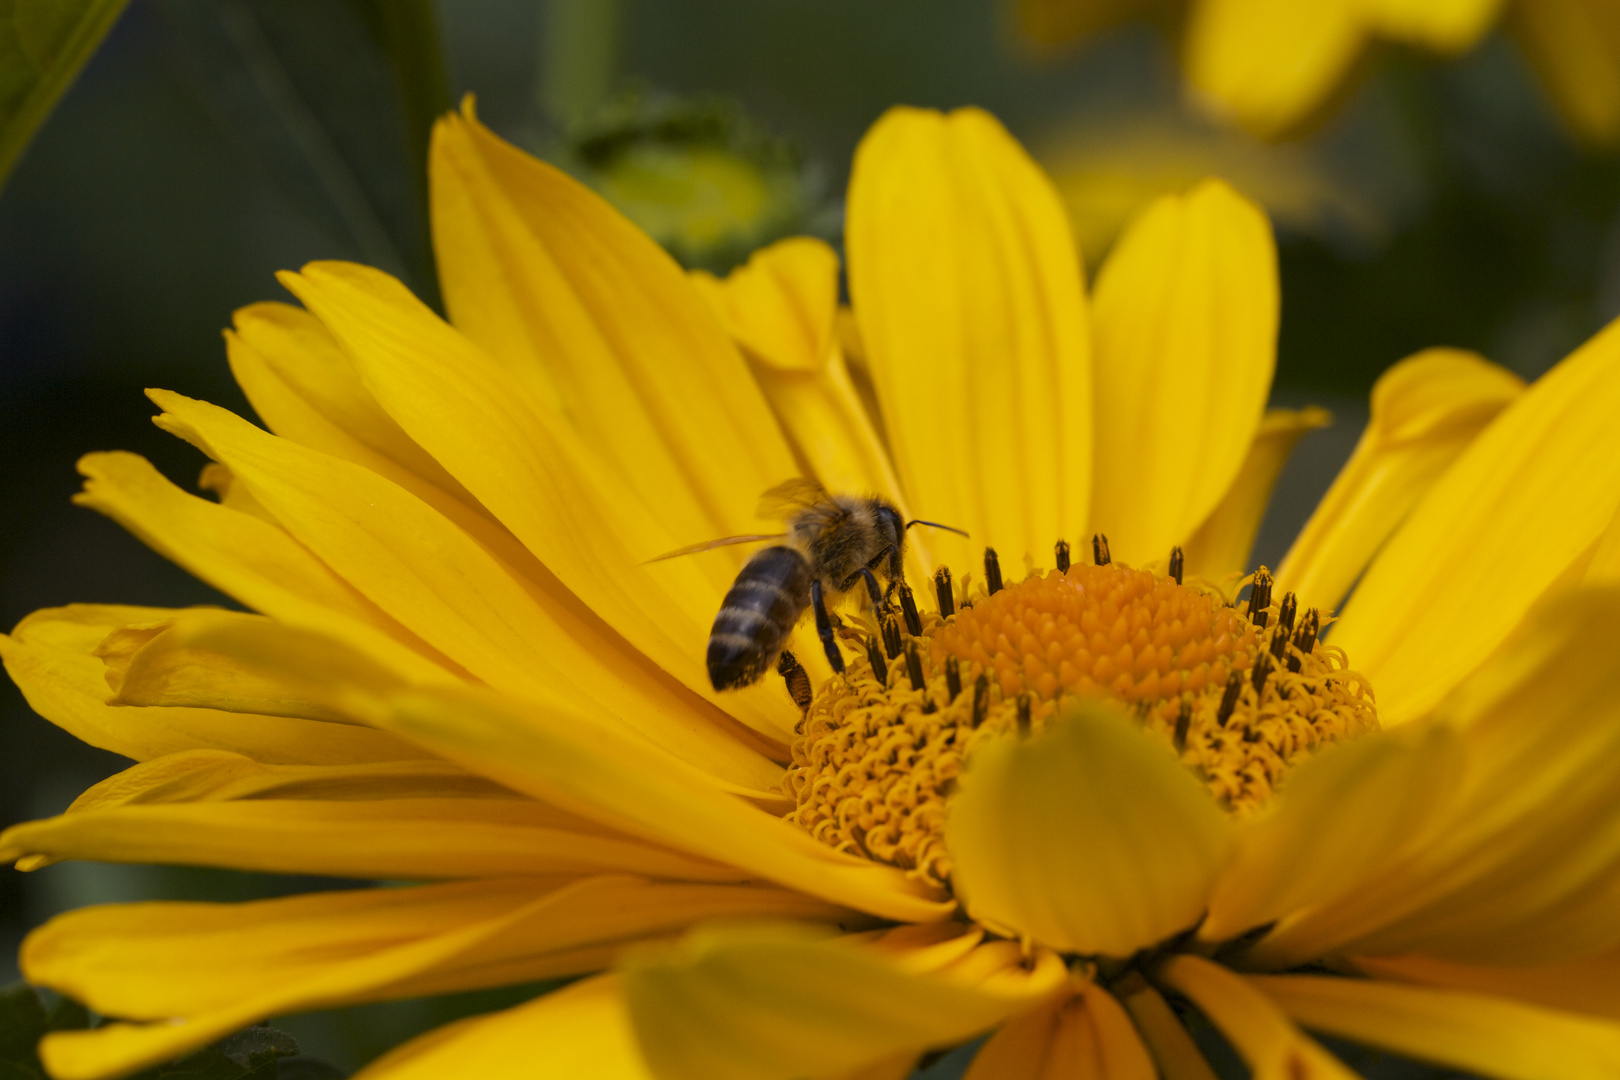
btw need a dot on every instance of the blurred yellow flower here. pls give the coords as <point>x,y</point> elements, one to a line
<point>463,671</point>
<point>1271,65</point>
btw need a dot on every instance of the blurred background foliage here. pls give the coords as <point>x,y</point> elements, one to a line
<point>208,143</point>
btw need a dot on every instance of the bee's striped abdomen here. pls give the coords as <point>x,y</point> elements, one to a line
<point>764,603</point>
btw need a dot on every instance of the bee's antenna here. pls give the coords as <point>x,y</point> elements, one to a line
<point>936,525</point>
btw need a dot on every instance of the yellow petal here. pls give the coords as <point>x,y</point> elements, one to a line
<point>304,389</point>
<point>152,664</point>
<point>1471,1032</point>
<point>1425,411</point>
<point>968,291</point>
<point>1089,837</point>
<point>406,966</point>
<point>1590,986</point>
<point>415,564</point>
<point>1268,64</point>
<point>158,960</point>
<point>1575,47</point>
<point>1186,340</point>
<point>1447,26</point>
<point>1529,495</point>
<point>524,461</point>
<point>1604,569</point>
<point>399,839</point>
<point>1220,548</point>
<point>1273,1048</point>
<point>1080,1035</point>
<point>562,290</point>
<point>1173,1050</point>
<point>247,558</point>
<point>606,773</point>
<point>220,776</point>
<point>51,657</point>
<point>548,753</point>
<point>781,309</point>
<point>1522,866</point>
<point>583,1028</point>
<point>769,1003</point>
<point>1344,814</point>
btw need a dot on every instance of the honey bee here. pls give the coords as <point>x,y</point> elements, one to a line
<point>831,543</point>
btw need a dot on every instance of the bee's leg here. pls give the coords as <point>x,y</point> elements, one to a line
<point>879,598</point>
<point>824,628</point>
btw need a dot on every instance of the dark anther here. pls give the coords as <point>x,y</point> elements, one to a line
<point>953,679</point>
<point>914,667</point>
<point>981,700</point>
<point>1262,669</point>
<point>891,638</point>
<point>908,606</point>
<point>1183,722</point>
<point>880,669</point>
<point>942,590</point>
<point>1099,550</point>
<point>797,679</point>
<point>1062,550</point>
<point>1023,714</point>
<point>1279,641</point>
<point>1260,597</point>
<point>1286,611</point>
<point>992,571</point>
<point>1177,560</point>
<point>1229,700</point>
<point>1305,637</point>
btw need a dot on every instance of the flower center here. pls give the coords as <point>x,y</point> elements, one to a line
<point>1237,695</point>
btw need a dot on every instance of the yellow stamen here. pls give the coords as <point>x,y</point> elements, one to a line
<point>1238,697</point>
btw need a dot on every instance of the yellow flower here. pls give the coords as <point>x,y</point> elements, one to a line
<point>463,671</point>
<point>1273,64</point>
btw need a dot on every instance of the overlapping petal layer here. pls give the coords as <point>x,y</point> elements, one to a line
<point>1425,411</point>
<point>1527,498</point>
<point>1512,857</point>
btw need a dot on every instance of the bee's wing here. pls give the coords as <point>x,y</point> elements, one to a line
<point>707,545</point>
<point>786,499</point>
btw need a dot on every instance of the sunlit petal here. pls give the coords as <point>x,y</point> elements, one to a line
<point>1186,340</point>
<point>968,291</point>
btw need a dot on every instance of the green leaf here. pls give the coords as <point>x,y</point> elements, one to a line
<point>43,44</point>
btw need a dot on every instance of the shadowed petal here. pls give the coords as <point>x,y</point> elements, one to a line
<point>1272,1047</point>
<point>761,1003</point>
<point>1473,1032</point>
<point>1220,548</point>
